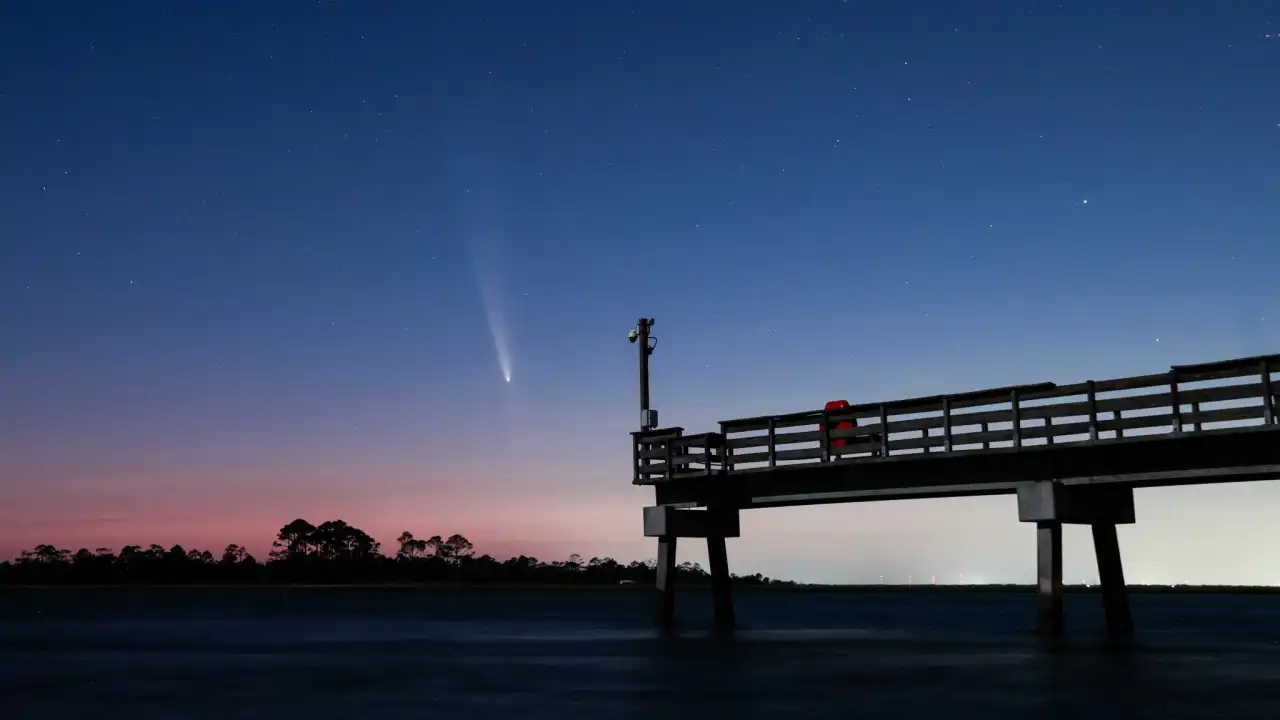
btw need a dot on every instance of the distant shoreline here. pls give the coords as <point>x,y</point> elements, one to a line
<point>641,587</point>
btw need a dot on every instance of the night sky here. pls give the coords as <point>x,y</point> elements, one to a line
<point>261,261</point>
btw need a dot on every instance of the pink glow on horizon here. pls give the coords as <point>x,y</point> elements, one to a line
<point>517,525</point>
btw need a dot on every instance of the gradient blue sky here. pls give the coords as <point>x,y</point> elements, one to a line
<point>246,251</point>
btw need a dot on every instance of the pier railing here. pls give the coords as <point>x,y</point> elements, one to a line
<point>1189,398</point>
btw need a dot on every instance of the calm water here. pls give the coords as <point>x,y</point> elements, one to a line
<point>279,654</point>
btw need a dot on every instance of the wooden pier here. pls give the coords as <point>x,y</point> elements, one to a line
<point>1071,453</point>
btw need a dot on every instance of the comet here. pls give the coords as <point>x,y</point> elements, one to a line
<point>482,228</point>
<point>492,300</point>
<point>483,233</point>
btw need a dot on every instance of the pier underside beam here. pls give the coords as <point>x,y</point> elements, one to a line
<point>668,524</point>
<point>1102,507</point>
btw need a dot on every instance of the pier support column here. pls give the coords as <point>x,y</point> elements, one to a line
<point>1101,506</point>
<point>666,582</point>
<point>721,590</point>
<point>1049,578</point>
<point>1115,594</point>
<point>669,523</point>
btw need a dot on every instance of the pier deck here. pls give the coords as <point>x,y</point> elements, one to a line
<point>1071,453</point>
<point>1193,424</point>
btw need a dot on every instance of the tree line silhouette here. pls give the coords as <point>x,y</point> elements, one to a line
<point>332,552</point>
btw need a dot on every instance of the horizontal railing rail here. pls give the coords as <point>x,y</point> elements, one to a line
<point>1189,398</point>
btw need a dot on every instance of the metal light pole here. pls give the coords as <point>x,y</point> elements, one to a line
<point>640,335</point>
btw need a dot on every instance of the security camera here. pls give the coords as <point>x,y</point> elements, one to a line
<point>633,335</point>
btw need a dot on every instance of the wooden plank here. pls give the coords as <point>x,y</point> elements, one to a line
<point>958,441</point>
<point>740,462</point>
<point>1233,414</point>
<point>814,436</point>
<point>865,444</point>
<point>1132,383</point>
<point>1146,401</point>
<point>691,468</point>
<point>933,403</point>
<point>700,439</point>
<point>867,450</point>
<point>972,398</point>
<point>808,417</point>
<point>661,452</point>
<point>975,398</point>
<point>656,434</point>
<point>1238,367</point>
<point>754,441</point>
<point>756,457</point>
<point>748,441</point>
<point>805,454</point>
<point>700,458</point>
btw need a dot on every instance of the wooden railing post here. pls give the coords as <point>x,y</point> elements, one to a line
<point>773,442</point>
<point>1093,411</point>
<point>884,431</point>
<point>1195,417</point>
<point>726,461</point>
<point>1174,405</point>
<point>1268,398</point>
<point>825,429</point>
<point>946,424</point>
<point>1048,430</point>
<point>1017,420</point>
